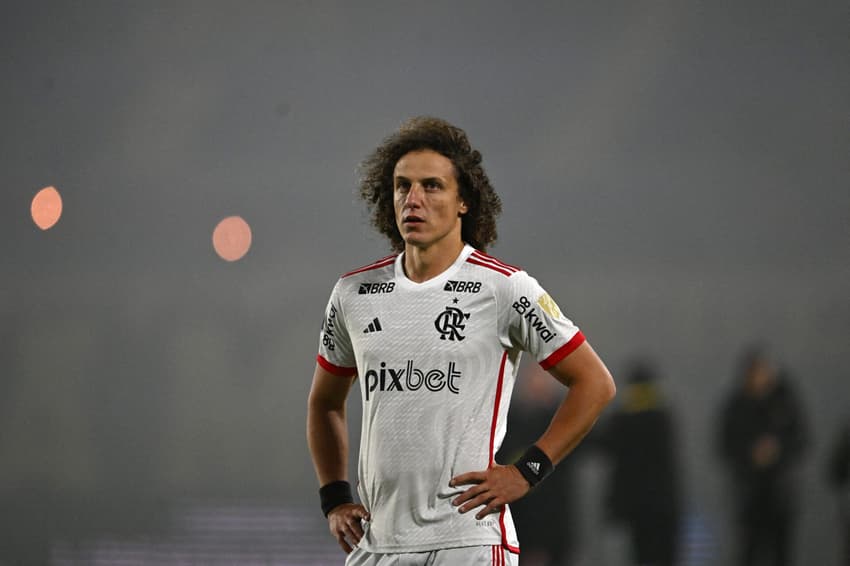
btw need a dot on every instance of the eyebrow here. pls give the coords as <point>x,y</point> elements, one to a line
<point>424,180</point>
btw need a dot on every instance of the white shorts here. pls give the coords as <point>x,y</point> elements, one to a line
<point>466,555</point>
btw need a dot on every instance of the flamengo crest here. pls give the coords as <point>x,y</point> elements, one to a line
<point>449,323</point>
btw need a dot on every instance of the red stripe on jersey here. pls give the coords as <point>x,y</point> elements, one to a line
<point>383,262</point>
<point>564,351</point>
<point>341,371</point>
<point>505,543</point>
<point>496,408</point>
<point>475,261</point>
<point>495,420</point>
<point>493,260</point>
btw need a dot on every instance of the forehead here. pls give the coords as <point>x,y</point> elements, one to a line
<point>424,163</point>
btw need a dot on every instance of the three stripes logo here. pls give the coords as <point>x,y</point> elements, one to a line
<point>374,326</point>
<point>534,467</point>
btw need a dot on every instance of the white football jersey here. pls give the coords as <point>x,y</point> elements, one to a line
<point>437,363</point>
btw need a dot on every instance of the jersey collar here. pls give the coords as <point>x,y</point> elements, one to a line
<point>402,279</point>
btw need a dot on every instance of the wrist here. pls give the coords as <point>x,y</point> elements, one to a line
<point>534,465</point>
<point>334,494</point>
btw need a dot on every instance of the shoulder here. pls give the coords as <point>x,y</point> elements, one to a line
<point>502,278</point>
<point>368,278</point>
<point>379,264</point>
<point>501,275</point>
<point>492,264</point>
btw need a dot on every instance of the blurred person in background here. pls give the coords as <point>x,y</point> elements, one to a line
<point>643,493</point>
<point>545,542</point>
<point>839,476</point>
<point>762,440</point>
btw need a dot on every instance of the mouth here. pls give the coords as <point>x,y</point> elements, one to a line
<point>412,219</point>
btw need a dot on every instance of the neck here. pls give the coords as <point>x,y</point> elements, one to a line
<point>422,264</point>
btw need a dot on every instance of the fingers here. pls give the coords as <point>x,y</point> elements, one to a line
<point>468,494</point>
<point>468,502</point>
<point>477,495</point>
<point>352,533</point>
<point>482,499</point>
<point>468,478</point>
<point>361,513</point>
<point>347,548</point>
<point>345,525</point>
<point>491,490</point>
<point>348,535</point>
<point>492,507</point>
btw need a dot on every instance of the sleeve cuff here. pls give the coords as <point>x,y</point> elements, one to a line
<point>577,340</point>
<point>340,371</point>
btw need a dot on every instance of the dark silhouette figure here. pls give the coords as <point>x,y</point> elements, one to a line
<point>839,476</point>
<point>643,492</point>
<point>762,439</point>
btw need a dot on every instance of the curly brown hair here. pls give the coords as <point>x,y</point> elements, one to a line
<point>478,225</point>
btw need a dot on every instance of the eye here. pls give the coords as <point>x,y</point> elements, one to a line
<point>402,186</point>
<point>432,185</point>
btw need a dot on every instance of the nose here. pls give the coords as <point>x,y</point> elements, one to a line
<point>413,199</point>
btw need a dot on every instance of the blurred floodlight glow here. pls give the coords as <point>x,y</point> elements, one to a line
<point>232,238</point>
<point>46,208</point>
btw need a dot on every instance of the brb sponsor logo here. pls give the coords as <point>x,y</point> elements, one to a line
<point>462,286</point>
<point>523,308</point>
<point>410,378</point>
<point>375,288</point>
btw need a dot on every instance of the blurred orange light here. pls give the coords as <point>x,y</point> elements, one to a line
<point>232,238</point>
<point>46,208</point>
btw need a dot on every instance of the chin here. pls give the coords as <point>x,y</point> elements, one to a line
<point>412,237</point>
<point>415,242</point>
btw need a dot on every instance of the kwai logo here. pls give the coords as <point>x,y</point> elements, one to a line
<point>410,378</point>
<point>534,321</point>
<point>328,327</point>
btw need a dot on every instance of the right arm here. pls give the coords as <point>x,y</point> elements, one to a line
<point>327,438</point>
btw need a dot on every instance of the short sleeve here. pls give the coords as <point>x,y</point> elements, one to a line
<point>335,352</point>
<point>536,324</point>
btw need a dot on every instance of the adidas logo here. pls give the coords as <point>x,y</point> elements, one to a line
<point>374,326</point>
<point>534,467</point>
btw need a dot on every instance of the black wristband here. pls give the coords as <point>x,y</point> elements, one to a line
<point>335,494</point>
<point>534,465</point>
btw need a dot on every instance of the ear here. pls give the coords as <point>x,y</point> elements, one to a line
<point>463,208</point>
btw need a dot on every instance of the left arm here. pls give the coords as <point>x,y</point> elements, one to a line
<point>591,387</point>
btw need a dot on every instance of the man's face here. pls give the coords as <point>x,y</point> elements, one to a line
<point>427,202</point>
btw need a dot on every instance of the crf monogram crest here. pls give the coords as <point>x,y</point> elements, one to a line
<point>449,323</point>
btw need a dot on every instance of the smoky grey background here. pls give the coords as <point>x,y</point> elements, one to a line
<point>674,173</point>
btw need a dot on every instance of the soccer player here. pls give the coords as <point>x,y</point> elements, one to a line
<point>435,333</point>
